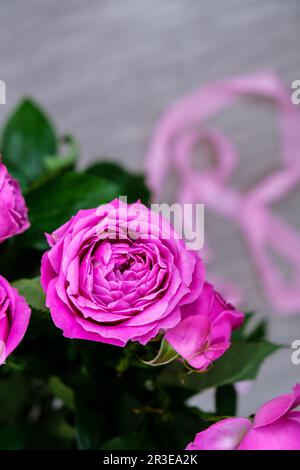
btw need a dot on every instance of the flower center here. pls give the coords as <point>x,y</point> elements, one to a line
<point>126,265</point>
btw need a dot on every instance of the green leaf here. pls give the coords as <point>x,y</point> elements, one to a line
<point>32,290</point>
<point>62,391</point>
<point>14,437</point>
<point>129,442</point>
<point>56,201</point>
<point>56,163</point>
<point>14,396</point>
<point>28,137</point>
<point>241,332</point>
<point>251,329</point>
<point>178,428</point>
<point>226,400</point>
<point>89,428</point>
<point>241,362</point>
<point>131,185</point>
<point>258,332</point>
<point>165,355</point>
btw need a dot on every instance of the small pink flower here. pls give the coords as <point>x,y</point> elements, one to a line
<point>204,332</point>
<point>13,210</point>
<point>14,318</point>
<point>118,273</point>
<point>276,426</point>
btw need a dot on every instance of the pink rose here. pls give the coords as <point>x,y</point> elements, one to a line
<point>13,210</point>
<point>276,426</point>
<point>204,332</point>
<point>118,273</point>
<point>14,318</point>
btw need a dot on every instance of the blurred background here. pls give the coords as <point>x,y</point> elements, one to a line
<point>105,71</point>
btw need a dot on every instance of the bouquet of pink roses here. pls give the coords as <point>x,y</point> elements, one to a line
<point>108,323</point>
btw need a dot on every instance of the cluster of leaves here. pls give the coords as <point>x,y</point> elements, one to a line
<point>58,393</point>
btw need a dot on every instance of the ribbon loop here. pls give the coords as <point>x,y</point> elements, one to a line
<point>175,138</point>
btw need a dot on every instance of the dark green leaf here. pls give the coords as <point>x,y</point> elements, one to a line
<point>32,290</point>
<point>89,428</point>
<point>14,437</point>
<point>28,137</point>
<point>251,329</point>
<point>226,400</point>
<point>55,202</point>
<point>62,391</point>
<point>14,395</point>
<point>131,185</point>
<point>240,333</point>
<point>178,428</point>
<point>241,362</point>
<point>128,442</point>
<point>258,332</point>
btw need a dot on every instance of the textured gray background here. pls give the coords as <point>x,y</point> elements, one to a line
<point>105,70</point>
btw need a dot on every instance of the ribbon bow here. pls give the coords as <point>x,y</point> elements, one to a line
<point>182,127</point>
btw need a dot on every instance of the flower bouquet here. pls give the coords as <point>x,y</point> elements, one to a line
<point>108,323</point>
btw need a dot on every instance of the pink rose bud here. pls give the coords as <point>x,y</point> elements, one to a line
<point>14,318</point>
<point>118,273</point>
<point>204,333</point>
<point>13,210</point>
<point>276,426</point>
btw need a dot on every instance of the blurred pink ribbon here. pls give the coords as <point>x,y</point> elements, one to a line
<point>183,126</point>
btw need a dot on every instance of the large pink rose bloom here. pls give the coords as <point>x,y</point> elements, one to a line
<point>276,426</point>
<point>14,318</point>
<point>13,210</point>
<point>118,273</point>
<point>204,333</point>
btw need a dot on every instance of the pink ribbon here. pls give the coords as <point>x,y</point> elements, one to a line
<point>183,126</point>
